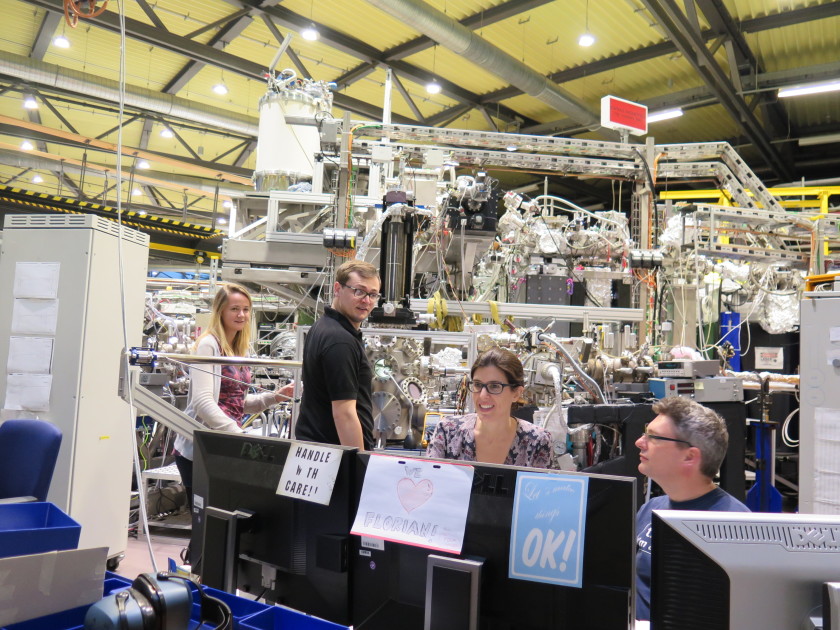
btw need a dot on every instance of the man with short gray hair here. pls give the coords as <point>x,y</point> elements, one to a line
<point>681,449</point>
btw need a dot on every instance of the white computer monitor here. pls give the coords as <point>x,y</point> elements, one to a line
<point>737,571</point>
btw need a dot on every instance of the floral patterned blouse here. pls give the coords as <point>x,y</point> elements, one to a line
<point>454,438</point>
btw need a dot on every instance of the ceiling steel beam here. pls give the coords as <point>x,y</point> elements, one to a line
<point>55,112</point>
<point>209,55</point>
<point>743,63</point>
<point>45,34</point>
<point>220,39</point>
<point>150,13</point>
<point>291,53</point>
<point>614,62</point>
<point>407,98</point>
<point>370,55</point>
<point>703,96</point>
<point>693,48</point>
<point>418,44</point>
<point>246,153</point>
<point>220,22</point>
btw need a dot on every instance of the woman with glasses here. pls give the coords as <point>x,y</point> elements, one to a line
<point>492,434</point>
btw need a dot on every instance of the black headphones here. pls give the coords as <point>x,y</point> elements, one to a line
<point>156,602</point>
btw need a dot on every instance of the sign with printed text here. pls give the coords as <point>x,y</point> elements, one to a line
<point>309,473</point>
<point>547,532</point>
<point>618,113</point>
<point>415,502</point>
<point>769,358</point>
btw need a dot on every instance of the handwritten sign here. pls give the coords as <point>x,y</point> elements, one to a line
<point>415,502</point>
<point>547,531</point>
<point>309,473</point>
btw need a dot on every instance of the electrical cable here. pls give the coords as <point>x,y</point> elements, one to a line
<point>121,266</point>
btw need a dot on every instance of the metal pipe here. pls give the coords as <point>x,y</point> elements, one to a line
<point>65,79</point>
<point>464,42</point>
<point>205,360</point>
<point>587,382</point>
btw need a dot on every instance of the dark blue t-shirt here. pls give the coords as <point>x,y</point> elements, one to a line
<point>715,501</point>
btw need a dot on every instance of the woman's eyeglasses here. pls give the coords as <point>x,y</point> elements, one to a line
<point>662,438</point>
<point>493,387</point>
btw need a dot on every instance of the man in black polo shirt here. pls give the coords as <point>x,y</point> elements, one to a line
<point>336,404</point>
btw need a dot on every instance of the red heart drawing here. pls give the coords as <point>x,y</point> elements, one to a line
<point>413,495</point>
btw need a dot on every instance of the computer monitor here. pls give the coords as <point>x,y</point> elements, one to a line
<point>389,583</point>
<point>736,570</point>
<point>290,551</point>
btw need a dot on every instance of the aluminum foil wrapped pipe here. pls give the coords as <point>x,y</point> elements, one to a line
<point>584,379</point>
<point>464,42</point>
<point>42,73</point>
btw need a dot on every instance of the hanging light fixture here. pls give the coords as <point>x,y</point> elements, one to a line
<point>29,102</point>
<point>26,145</point>
<point>166,132</point>
<point>220,89</point>
<point>587,39</point>
<point>37,179</point>
<point>310,33</point>
<point>143,164</point>
<point>433,87</point>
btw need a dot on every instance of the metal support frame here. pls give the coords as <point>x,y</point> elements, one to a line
<point>586,314</point>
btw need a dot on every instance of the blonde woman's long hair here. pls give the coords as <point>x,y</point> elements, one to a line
<point>242,340</point>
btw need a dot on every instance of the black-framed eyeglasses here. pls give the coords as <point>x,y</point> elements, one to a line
<point>662,438</point>
<point>493,387</point>
<point>361,293</point>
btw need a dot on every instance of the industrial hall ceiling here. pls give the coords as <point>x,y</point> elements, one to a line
<point>721,62</point>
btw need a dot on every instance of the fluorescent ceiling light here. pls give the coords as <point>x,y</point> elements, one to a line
<point>26,145</point>
<point>166,132</point>
<point>30,103</point>
<point>37,179</point>
<point>310,33</point>
<point>664,115</point>
<point>828,138</point>
<point>220,89</point>
<point>61,42</point>
<point>586,40</point>
<point>433,87</point>
<point>814,88</point>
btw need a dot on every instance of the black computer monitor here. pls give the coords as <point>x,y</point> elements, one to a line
<point>291,551</point>
<point>389,584</point>
<point>736,570</point>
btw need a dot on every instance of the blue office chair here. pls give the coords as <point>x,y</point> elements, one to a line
<point>28,452</point>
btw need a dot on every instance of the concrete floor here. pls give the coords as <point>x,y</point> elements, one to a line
<point>164,544</point>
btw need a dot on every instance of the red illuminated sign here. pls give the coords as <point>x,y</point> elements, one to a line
<point>617,113</point>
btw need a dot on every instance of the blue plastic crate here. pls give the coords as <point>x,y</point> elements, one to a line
<point>240,608</point>
<point>27,528</point>
<point>247,614</point>
<point>282,618</point>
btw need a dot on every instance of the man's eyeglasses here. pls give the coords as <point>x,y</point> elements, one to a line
<point>361,293</point>
<point>493,387</point>
<point>662,438</point>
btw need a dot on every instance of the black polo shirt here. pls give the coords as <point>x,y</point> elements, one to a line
<point>335,367</point>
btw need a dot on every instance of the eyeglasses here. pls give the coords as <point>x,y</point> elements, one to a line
<point>662,438</point>
<point>361,293</point>
<point>493,387</point>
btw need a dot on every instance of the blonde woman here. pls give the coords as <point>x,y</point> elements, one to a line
<point>218,395</point>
